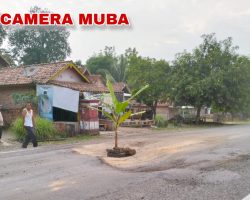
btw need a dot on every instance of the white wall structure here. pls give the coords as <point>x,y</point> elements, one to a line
<point>65,98</point>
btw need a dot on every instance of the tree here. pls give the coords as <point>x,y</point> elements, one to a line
<point>210,75</point>
<point>121,65</point>
<point>2,34</point>
<point>34,45</point>
<point>234,94</point>
<point>142,71</point>
<point>118,109</point>
<point>4,52</point>
<point>108,64</point>
<point>119,69</point>
<point>102,63</point>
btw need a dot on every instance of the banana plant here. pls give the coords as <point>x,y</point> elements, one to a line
<point>118,109</point>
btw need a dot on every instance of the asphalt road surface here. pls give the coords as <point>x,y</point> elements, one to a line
<point>218,167</point>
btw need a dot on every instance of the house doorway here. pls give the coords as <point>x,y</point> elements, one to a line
<point>64,115</point>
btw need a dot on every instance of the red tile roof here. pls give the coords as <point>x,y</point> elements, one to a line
<point>96,85</point>
<point>82,87</point>
<point>43,73</point>
<point>120,87</point>
<point>84,70</point>
<point>39,73</point>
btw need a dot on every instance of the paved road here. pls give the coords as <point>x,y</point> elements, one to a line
<point>216,168</point>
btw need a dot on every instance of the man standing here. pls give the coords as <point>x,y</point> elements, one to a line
<point>29,124</point>
<point>1,124</point>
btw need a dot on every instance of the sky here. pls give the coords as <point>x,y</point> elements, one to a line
<point>159,28</point>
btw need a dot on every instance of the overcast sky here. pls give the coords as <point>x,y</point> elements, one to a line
<point>160,28</point>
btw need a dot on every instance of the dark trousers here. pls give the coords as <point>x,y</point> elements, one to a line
<point>1,131</point>
<point>30,136</point>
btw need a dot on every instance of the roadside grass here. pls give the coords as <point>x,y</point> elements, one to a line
<point>10,136</point>
<point>71,140</point>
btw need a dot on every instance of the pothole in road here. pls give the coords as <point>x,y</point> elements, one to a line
<point>180,163</point>
<point>164,166</point>
<point>226,162</point>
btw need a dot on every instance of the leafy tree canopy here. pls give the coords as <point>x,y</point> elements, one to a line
<point>2,34</point>
<point>110,65</point>
<point>34,45</point>
<point>143,71</point>
<point>211,75</point>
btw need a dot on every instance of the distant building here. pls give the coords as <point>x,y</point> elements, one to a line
<point>126,92</point>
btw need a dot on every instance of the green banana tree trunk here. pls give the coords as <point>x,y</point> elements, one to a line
<point>116,137</point>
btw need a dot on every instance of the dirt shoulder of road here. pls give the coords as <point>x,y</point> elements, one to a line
<point>151,146</point>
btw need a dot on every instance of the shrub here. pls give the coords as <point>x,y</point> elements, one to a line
<point>177,120</point>
<point>45,129</point>
<point>160,121</point>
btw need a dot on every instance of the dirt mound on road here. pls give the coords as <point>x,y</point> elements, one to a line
<point>148,152</point>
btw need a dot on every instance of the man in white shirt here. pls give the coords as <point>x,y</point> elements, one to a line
<point>29,124</point>
<point>1,123</point>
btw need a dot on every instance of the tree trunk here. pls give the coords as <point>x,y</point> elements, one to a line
<point>116,137</point>
<point>154,109</point>
<point>198,114</point>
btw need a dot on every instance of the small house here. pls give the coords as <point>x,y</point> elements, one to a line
<point>57,89</point>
